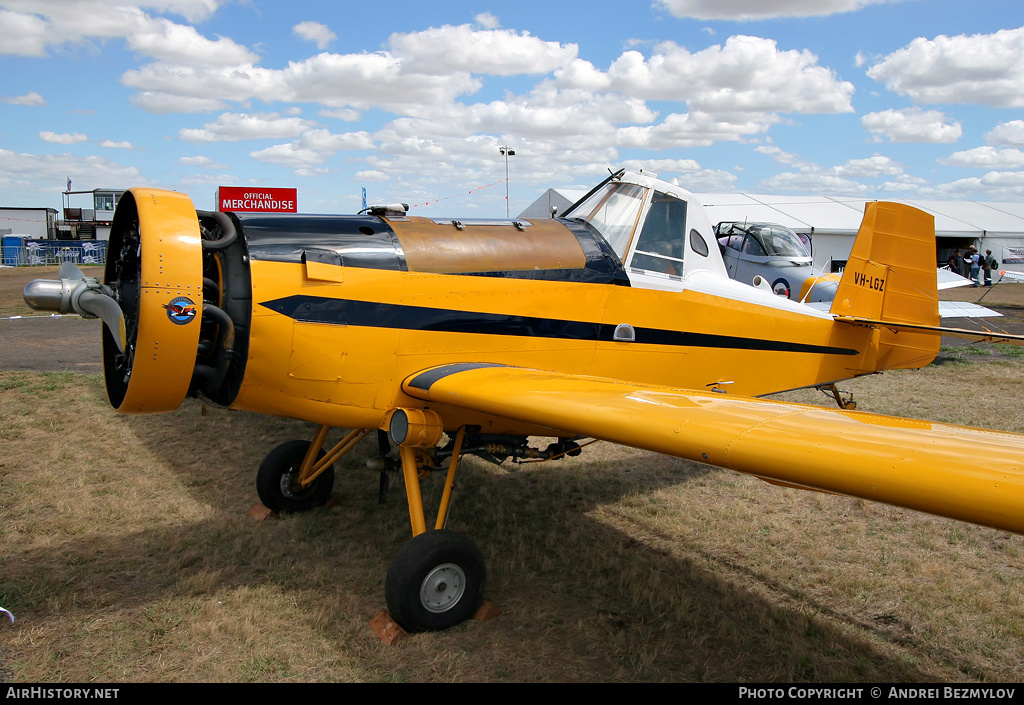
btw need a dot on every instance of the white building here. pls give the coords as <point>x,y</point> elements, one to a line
<point>36,223</point>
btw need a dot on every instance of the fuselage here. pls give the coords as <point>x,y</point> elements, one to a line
<point>332,338</point>
<point>323,317</point>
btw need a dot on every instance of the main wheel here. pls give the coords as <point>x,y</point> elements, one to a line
<point>277,480</point>
<point>436,581</point>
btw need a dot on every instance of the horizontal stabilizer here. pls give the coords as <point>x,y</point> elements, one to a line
<point>981,336</point>
<point>965,309</point>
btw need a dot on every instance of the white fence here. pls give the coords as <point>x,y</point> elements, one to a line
<point>38,252</point>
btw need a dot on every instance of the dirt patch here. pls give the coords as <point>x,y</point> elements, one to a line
<point>41,342</point>
<point>13,281</point>
<point>49,344</point>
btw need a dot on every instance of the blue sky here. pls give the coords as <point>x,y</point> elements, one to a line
<point>411,100</point>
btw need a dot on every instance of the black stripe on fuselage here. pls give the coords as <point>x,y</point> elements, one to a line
<point>346,312</point>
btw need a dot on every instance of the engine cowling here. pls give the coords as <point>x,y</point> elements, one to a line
<point>155,272</point>
<point>175,283</point>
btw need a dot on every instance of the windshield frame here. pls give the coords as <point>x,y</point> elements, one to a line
<point>619,229</point>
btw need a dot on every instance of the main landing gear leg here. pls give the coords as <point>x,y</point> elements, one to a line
<point>437,579</point>
<point>848,404</point>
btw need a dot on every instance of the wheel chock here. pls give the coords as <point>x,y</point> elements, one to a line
<point>261,513</point>
<point>387,629</point>
<point>486,610</point>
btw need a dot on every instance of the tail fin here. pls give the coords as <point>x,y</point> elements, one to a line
<point>890,278</point>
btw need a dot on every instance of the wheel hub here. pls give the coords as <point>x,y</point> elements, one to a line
<point>442,588</point>
<point>290,486</point>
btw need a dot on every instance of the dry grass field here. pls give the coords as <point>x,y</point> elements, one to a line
<point>126,554</point>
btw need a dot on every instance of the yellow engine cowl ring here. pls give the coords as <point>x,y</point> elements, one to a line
<point>154,264</point>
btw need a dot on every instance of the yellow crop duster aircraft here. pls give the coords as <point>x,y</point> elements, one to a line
<point>617,321</point>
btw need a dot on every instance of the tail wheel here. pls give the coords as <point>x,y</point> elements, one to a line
<point>435,582</point>
<point>277,480</point>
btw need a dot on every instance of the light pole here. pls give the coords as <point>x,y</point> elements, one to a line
<point>506,152</point>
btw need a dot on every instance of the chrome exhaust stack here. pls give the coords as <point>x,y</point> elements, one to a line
<point>76,293</point>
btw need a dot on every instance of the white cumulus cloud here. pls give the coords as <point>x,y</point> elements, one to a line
<point>49,172</point>
<point>233,127</point>
<point>319,34</point>
<point>981,68</point>
<point>1009,134</point>
<point>31,99</point>
<point>744,74</point>
<point>761,9</point>
<point>993,186</point>
<point>869,167</point>
<point>912,125</point>
<point>290,155</point>
<point>201,162</point>
<point>182,44</point>
<point>31,27</point>
<point>62,137</point>
<point>487,20</point>
<point>498,52</point>
<point>986,157</point>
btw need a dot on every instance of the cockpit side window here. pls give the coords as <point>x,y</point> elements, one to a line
<point>660,245</point>
<point>752,246</point>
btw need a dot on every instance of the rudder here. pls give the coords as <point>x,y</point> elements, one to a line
<point>891,277</point>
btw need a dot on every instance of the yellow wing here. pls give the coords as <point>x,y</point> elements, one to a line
<point>963,473</point>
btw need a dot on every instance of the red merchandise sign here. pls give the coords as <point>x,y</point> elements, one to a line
<point>246,199</point>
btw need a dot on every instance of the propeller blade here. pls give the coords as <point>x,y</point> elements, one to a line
<point>69,270</point>
<point>103,306</point>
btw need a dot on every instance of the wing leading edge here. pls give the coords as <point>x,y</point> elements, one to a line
<point>963,473</point>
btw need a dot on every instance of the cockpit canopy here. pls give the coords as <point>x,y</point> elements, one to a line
<point>655,228</point>
<point>763,240</point>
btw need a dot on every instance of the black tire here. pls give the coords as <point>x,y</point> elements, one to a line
<point>435,582</point>
<point>781,287</point>
<point>276,480</point>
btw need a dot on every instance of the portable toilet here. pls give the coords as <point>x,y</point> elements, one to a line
<point>14,250</point>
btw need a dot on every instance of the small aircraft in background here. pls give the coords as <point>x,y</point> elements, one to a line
<point>772,254</point>
<point>447,337</point>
